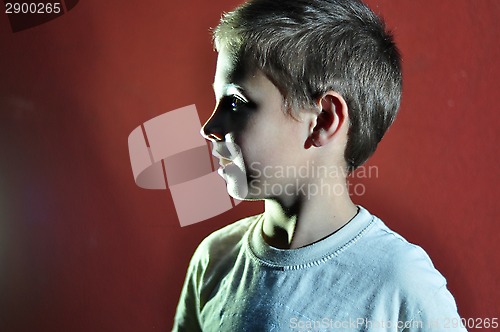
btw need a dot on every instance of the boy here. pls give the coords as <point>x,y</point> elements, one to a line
<point>306,85</point>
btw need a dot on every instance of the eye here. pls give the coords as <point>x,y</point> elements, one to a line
<point>236,103</point>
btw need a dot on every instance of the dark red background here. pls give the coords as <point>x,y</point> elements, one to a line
<point>82,248</point>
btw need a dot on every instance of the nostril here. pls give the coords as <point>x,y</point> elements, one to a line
<point>214,128</point>
<point>216,137</point>
<point>211,134</point>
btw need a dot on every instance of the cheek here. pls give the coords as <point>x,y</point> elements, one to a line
<point>268,140</point>
<point>256,142</point>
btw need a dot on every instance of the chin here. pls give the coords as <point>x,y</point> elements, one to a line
<point>237,190</point>
<point>236,181</point>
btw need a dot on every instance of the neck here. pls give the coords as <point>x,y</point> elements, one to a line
<point>304,220</point>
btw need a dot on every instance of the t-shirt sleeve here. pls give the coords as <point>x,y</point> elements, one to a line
<point>437,313</point>
<point>211,260</point>
<point>187,314</point>
<point>428,301</point>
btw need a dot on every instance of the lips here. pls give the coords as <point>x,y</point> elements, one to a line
<point>223,161</point>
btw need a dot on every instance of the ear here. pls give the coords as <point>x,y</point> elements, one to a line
<point>332,118</point>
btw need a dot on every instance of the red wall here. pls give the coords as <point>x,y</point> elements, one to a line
<point>82,248</point>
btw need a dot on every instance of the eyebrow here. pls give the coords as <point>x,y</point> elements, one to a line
<point>232,86</point>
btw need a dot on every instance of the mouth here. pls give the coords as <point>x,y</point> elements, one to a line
<point>223,161</point>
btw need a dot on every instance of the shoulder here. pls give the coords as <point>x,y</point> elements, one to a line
<point>406,272</point>
<point>228,236</point>
<point>403,264</point>
<point>224,243</point>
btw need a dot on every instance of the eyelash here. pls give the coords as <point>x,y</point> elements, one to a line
<point>236,102</point>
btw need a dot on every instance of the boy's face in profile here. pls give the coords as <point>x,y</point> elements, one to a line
<point>252,134</point>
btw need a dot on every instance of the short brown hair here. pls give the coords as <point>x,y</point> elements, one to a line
<point>308,47</point>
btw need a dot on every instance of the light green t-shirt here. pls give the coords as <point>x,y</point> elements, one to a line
<point>364,277</point>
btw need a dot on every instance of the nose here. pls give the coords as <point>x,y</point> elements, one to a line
<point>213,129</point>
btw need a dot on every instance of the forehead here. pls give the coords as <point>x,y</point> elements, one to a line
<point>230,70</point>
<point>251,84</point>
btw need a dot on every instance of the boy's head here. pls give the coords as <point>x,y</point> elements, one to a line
<point>309,47</point>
